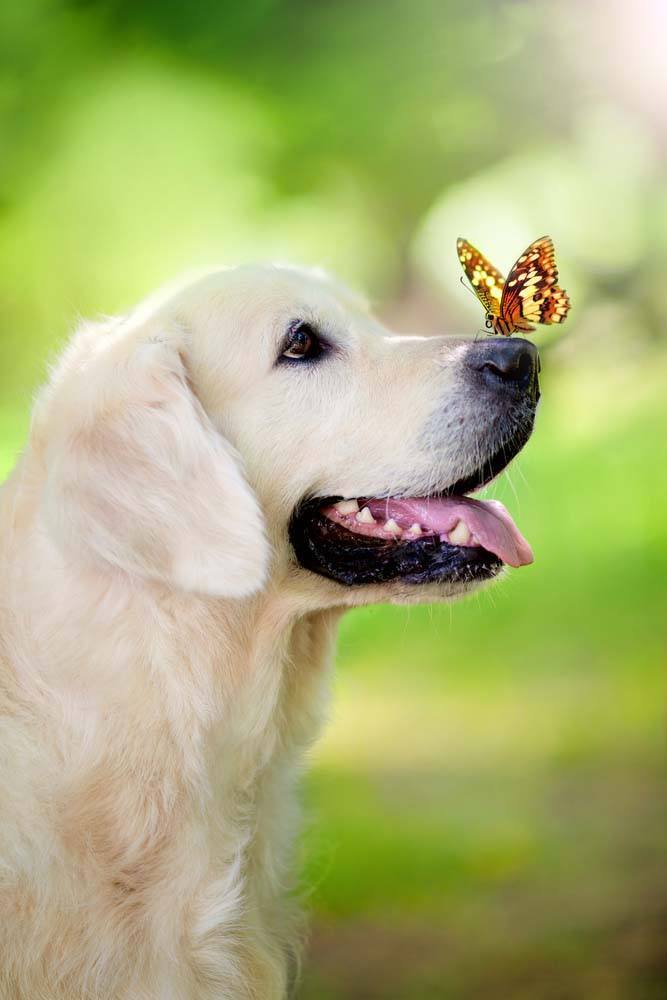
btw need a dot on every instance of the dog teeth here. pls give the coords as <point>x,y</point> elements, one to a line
<point>460,534</point>
<point>365,517</point>
<point>392,527</point>
<point>415,530</point>
<point>347,506</point>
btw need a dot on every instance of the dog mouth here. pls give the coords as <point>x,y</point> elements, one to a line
<point>447,537</point>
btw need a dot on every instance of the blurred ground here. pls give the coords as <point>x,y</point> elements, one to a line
<point>487,813</point>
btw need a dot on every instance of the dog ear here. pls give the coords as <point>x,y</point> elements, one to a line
<point>140,479</point>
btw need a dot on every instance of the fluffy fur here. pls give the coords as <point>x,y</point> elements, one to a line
<point>163,662</point>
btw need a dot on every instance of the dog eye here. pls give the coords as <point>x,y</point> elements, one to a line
<point>302,343</point>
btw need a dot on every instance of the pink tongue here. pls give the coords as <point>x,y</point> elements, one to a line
<point>488,520</point>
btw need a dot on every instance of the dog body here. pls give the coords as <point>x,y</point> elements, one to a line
<point>164,654</point>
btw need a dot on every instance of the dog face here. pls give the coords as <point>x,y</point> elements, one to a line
<point>279,429</point>
<point>325,405</point>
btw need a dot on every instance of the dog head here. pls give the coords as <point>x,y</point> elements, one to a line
<point>260,422</point>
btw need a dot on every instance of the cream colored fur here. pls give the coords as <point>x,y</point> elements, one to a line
<point>163,662</point>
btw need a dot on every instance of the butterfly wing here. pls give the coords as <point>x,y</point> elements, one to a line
<point>556,306</point>
<point>531,294</point>
<point>486,281</point>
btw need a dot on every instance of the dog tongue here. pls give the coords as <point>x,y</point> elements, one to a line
<point>488,521</point>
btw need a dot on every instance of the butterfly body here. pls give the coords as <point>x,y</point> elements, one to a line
<point>530,294</point>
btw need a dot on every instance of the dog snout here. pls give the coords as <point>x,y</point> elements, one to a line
<point>510,364</point>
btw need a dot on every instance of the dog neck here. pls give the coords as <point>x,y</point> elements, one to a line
<point>175,728</point>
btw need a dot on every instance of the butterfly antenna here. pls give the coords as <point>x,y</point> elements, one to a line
<point>467,287</point>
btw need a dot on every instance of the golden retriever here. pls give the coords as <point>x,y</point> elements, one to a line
<point>209,482</point>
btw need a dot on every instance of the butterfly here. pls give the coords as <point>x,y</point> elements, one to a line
<point>529,295</point>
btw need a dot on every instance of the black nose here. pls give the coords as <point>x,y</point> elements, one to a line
<point>506,364</point>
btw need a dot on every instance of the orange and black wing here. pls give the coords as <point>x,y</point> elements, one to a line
<point>531,293</point>
<point>486,281</point>
<point>556,307</point>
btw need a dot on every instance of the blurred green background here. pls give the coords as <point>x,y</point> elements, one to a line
<point>487,814</point>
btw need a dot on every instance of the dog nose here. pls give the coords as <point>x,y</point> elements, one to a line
<point>507,363</point>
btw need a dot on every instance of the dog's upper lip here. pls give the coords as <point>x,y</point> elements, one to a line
<point>492,465</point>
<point>459,520</point>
